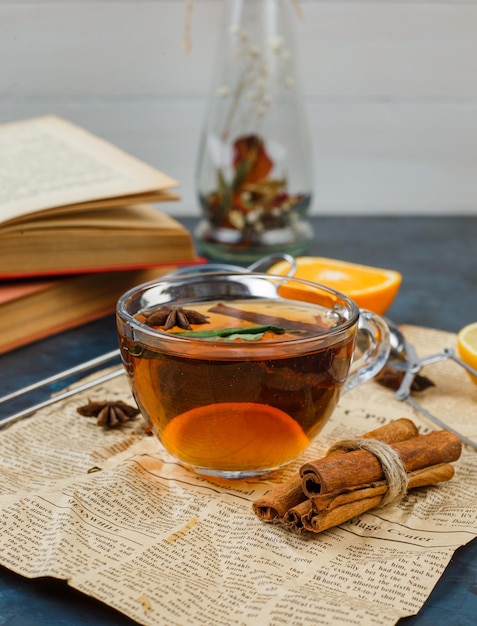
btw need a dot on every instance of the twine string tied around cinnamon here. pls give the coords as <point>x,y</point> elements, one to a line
<point>393,468</point>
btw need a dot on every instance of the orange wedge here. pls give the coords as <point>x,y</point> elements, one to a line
<point>371,288</point>
<point>467,346</point>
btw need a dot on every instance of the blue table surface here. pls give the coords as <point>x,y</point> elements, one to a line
<point>437,257</point>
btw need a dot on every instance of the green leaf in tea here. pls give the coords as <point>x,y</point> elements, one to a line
<point>245,336</point>
<point>247,332</point>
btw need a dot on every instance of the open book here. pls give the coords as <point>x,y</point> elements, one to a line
<point>70,202</point>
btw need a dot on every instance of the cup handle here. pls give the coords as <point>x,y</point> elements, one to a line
<point>371,350</point>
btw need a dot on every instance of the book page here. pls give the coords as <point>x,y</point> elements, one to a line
<point>112,513</point>
<point>48,162</point>
<point>137,217</point>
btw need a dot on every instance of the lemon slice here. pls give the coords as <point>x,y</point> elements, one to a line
<point>372,288</point>
<point>467,346</point>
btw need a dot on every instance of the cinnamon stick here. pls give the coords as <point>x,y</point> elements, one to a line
<point>263,319</point>
<point>279,500</point>
<point>293,518</point>
<point>399,430</point>
<point>361,467</point>
<point>317,522</point>
<point>284,497</point>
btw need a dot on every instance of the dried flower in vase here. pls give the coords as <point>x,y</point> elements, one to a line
<point>254,170</point>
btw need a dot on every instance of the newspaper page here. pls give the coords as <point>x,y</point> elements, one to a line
<point>113,514</point>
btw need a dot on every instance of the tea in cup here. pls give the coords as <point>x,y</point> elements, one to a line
<point>237,373</point>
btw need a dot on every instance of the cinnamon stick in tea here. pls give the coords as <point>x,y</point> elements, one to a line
<point>275,504</point>
<point>265,320</point>
<point>361,467</point>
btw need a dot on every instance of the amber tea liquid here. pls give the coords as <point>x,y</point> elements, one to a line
<point>242,405</point>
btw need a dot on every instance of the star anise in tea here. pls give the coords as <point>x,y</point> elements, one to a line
<point>109,414</point>
<point>170,316</point>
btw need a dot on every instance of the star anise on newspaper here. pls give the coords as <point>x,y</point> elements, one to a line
<point>109,414</point>
<point>170,316</point>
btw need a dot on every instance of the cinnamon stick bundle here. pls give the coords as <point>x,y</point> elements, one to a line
<point>284,497</point>
<point>345,484</point>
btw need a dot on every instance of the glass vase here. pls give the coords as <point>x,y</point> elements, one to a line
<point>254,167</point>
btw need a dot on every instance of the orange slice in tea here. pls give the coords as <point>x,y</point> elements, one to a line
<point>370,287</point>
<point>235,436</point>
<point>467,346</point>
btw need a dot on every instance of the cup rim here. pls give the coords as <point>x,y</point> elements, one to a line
<point>126,317</point>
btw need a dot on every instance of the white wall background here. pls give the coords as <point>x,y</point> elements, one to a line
<point>390,90</point>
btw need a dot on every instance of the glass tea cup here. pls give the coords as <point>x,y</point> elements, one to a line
<point>236,372</point>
